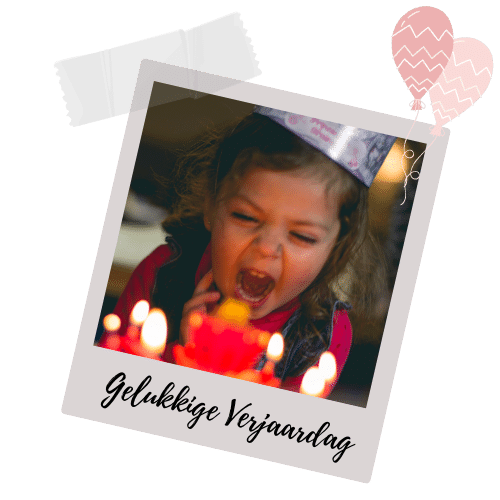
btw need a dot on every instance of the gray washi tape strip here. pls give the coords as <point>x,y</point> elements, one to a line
<point>101,85</point>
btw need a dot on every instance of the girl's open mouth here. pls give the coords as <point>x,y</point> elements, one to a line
<point>254,287</point>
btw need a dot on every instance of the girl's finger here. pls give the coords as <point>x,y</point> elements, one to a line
<point>199,301</point>
<point>204,283</point>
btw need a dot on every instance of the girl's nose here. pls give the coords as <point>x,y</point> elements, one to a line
<point>268,243</point>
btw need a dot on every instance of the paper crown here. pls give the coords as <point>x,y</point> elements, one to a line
<point>360,152</point>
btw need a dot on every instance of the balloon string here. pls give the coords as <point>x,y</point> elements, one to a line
<point>413,174</point>
<point>406,155</point>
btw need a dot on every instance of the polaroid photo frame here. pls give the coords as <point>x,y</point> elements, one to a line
<point>355,430</point>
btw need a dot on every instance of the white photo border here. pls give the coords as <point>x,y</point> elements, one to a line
<point>93,368</point>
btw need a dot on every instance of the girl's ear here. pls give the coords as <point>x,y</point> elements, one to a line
<point>207,214</point>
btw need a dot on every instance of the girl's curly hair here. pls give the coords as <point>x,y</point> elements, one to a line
<point>355,269</point>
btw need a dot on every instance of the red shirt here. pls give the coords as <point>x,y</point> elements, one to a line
<point>141,285</point>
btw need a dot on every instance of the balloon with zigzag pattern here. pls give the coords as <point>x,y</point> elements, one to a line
<point>463,81</point>
<point>422,43</point>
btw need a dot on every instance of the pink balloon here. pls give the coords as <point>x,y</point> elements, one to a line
<point>462,82</point>
<point>422,44</point>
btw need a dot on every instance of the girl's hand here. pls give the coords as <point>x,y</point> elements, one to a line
<point>201,297</point>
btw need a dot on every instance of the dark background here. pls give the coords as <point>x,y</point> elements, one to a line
<point>440,433</point>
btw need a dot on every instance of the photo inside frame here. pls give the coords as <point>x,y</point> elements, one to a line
<point>172,129</point>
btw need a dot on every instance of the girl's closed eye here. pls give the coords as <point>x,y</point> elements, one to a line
<point>298,236</point>
<point>243,217</point>
<point>304,238</point>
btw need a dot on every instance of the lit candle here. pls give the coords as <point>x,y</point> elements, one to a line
<point>234,311</point>
<point>328,367</point>
<point>137,317</point>
<point>111,339</point>
<point>274,353</point>
<point>111,323</point>
<point>195,320</point>
<point>154,332</point>
<point>313,382</point>
<point>275,347</point>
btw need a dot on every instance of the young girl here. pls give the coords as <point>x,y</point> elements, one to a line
<point>273,213</point>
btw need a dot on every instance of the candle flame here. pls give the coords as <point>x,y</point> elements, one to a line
<point>328,366</point>
<point>195,320</point>
<point>235,311</point>
<point>140,312</point>
<point>111,323</point>
<point>313,382</point>
<point>154,331</point>
<point>275,347</point>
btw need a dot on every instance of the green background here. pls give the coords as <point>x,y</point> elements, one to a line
<point>441,428</point>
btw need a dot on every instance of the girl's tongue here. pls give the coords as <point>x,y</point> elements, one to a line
<point>253,285</point>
